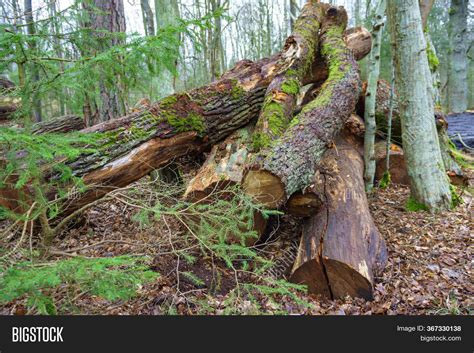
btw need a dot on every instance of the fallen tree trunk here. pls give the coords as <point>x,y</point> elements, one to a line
<point>340,248</point>
<point>306,202</point>
<point>224,165</point>
<point>134,145</point>
<point>282,93</point>
<point>8,106</point>
<point>279,171</point>
<point>357,39</point>
<point>131,147</point>
<point>221,169</point>
<point>63,124</point>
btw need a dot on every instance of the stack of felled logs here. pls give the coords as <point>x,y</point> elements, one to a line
<point>310,164</point>
<point>303,156</point>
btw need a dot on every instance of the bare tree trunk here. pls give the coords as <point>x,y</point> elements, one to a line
<point>167,14</point>
<point>56,29</point>
<point>371,94</point>
<point>457,81</point>
<point>148,21</point>
<point>110,17</point>
<point>31,30</point>
<point>429,183</point>
<point>293,13</point>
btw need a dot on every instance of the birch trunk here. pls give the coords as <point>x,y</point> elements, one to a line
<point>429,183</point>
<point>371,94</point>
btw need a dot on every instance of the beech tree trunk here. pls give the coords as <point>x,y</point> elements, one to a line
<point>457,71</point>
<point>148,20</point>
<point>429,184</point>
<point>280,171</point>
<point>340,248</point>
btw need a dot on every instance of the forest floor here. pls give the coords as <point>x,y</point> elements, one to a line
<point>428,271</point>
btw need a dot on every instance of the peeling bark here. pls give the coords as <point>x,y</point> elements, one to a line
<point>340,248</point>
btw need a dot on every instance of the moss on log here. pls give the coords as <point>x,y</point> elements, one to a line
<point>279,171</point>
<point>301,48</point>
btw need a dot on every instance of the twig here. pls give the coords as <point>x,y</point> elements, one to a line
<point>20,241</point>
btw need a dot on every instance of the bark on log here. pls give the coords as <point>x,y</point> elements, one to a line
<point>224,165</point>
<point>357,39</point>
<point>63,124</point>
<point>340,248</point>
<point>306,202</point>
<point>223,169</point>
<point>216,173</point>
<point>8,106</point>
<point>132,146</point>
<point>282,93</point>
<point>280,171</point>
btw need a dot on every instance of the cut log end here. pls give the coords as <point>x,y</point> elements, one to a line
<point>265,188</point>
<point>303,204</point>
<point>345,280</point>
<point>311,274</point>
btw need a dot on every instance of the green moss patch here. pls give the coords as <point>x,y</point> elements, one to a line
<point>413,205</point>
<point>260,141</point>
<point>386,180</point>
<point>291,86</point>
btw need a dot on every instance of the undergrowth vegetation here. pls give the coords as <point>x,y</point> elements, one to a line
<point>215,232</point>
